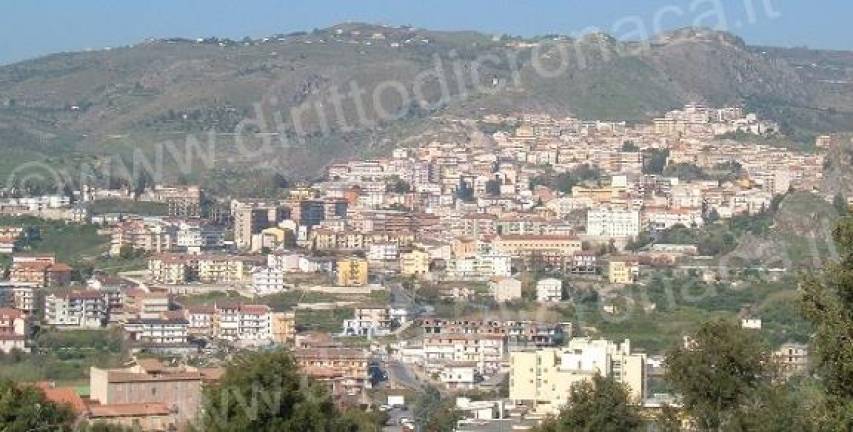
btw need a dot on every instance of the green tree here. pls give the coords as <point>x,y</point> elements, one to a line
<point>264,391</point>
<point>655,161</point>
<point>718,372</point>
<point>600,404</point>
<point>24,408</point>
<point>493,187</point>
<point>828,303</point>
<point>840,204</point>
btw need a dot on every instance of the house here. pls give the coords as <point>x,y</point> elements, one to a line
<point>267,280</point>
<point>792,358</point>
<point>459,375</point>
<point>13,330</point>
<point>549,290</point>
<point>505,289</point>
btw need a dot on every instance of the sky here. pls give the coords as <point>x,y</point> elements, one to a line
<point>31,28</point>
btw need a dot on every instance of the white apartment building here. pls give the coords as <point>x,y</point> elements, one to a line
<point>543,378</point>
<point>76,309</point>
<point>611,222</point>
<point>244,323</point>
<point>266,280</point>
<point>487,352</point>
<point>549,290</point>
<point>157,331</point>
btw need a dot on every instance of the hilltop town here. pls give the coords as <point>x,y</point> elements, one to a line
<point>474,266</point>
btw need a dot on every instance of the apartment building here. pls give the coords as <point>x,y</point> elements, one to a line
<point>352,271</point>
<point>792,358</point>
<point>542,379</point>
<point>414,263</point>
<point>611,222</point>
<point>545,245</point>
<point>182,201</point>
<point>369,321</point>
<point>76,309</point>
<point>488,352</point>
<point>267,280</point>
<point>345,370</point>
<point>158,332</point>
<point>623,271</point>
<point>39,271</point>
<point>284,327</point>
<point>19,297</point>
<point>245,323</point>
<point>252,217</point>
<point>549,290</point>
<point>152,235</point>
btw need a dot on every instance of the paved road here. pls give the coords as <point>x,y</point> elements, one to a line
<point>400,373</point>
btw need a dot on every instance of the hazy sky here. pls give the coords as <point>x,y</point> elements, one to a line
<point>30,28</point>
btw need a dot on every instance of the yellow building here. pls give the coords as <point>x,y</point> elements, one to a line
<point>352,272</point>
<point>623,272</point>
<point>543,379</point>
<point>414,263</point>
<point>284,327</point>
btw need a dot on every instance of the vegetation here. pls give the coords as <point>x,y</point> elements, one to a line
<point>24,409</point>
<point>565,181</point>
<point>264,391</point>
<point>828,303</point>
<point>600,404</point>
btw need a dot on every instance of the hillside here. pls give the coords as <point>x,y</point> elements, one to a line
<point>94,109</point>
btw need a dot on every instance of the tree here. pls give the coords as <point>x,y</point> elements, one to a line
<point>493,187</point>
<point>718,372</point>
<point>464,192</point>
<point>264,391</point>
<point>828,303</point>
<point>655,161</point>
<point>840,204</point>
<point>629,146</point>
<point>24,408</point>
<point>600,404</point>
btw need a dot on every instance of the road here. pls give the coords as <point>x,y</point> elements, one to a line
<point>400,374</point>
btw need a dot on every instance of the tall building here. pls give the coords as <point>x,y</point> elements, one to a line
<point>612,222</point>
<point>251,218</point>
<point>352,272</point>
<point>543,378</point>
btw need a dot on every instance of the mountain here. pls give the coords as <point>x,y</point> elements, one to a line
<point>83,115</point>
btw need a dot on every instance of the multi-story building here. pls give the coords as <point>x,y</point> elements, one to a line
<point>284,327</point>
<point>544,245</point>
<point>267,280</point>
<point>352,271</point>
<point>251,218</point>
<point>345,370</point>
<point>368,321</point>
<point>505,289</point>
<point>39,270</point>
<point>486,351</point>
<point>157,331</point>
<point>18,296</point>
<point>247,323</point>
<point>623,271</point>
<point>414,263</point>
<point>183,201</point>
<point>549,290</point>
<point>611,222</point>
<point>149,235</point>
<point>543,378</point>
<point>76,309</point>
<point>792,358</point>
<point>173,395</point>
